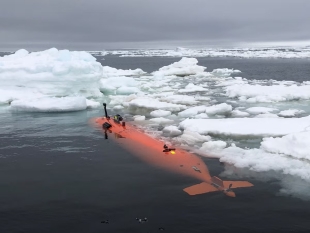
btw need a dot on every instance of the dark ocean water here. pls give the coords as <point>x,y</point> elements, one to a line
<point>58,174</point>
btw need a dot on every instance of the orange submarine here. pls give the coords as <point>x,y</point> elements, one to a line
<point>157,153</point>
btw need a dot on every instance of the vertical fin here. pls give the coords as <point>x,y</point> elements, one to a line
<point>217,181</point>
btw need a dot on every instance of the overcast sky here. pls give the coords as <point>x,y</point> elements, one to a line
<point>103,24</point>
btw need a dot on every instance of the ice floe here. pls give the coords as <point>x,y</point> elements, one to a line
<point>263,52</point>
<point>290,112</point>
<point>172,131</point>
<point>191,137</point>
<point>160,113</point>
<point>193,111</point>
<point>113,72</point>
<point>53,104</point>
<point>138,118</point>
<point>285,158</point>
<point>219,109</point>
<point>161,120</point>
<point>180,99</point>
<point>247,127</point>
<point>141,103</point>
<point>35,81</point>
<point>260,110</point>
<point>274,93</point>
<point>119,85</point>
<point>184,67</point>
<point>192,88</point>
<point>238,113</point>
<point>51,72</point>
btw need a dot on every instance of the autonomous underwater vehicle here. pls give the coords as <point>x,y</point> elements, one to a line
<point>157,153</point>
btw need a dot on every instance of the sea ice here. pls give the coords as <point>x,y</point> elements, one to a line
<point>247,127</point>
<point>219,109</point>
<point>224,72</point>
<point>115,85</point>
<point>260,110</point>
<point>288,155</point>
<point>92,103</point>
<point>192,88</point>
<point>161,120</point>
<point>51,104</point>
<point>51,72</point>
<point>238,113</point>
<point>290,112</point>
<point>113,72</point>
<point>35,81</point>
<point>153,104</point>
<point>274,93</point>
<point>160,113</point>
<point>193,111</point>
<point>138,118</point>
<point>184,67</point>
<point>172,131</point>
<point>191,137</point>
<point>213,146</point>
<point>261,52</point>
<point>267,115</point>
<point>180,99</point>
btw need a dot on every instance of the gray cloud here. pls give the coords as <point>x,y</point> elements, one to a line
<point>97,24</point>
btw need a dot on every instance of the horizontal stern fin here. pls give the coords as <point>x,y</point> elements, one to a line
<point>200,189</point>
<point>237,184</point>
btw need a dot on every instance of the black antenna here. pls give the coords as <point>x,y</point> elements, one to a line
<point>105,110</point>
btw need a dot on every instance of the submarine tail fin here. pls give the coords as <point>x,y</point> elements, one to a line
<point>236,184</point>
<point>226,187</point>
<point>200,189</point>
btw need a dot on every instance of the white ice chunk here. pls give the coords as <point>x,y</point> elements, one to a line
<point>290,112</point>
<point>160,113</point>
<point>92,104</point>
<point>122,85</point>
<point>118,107</point>
<point>51,73</point>
<point>184,67</point>
<point>259,110</point>
<point>240,127</point>
<point>193,111</point>
<point>127,90</point>
<point>191,137</point>
<point>202,116</point>
<point>224,72</point>
<point>219,109</point>
<point>274,93</point>
<point>295,145</point>
<point>192,88</point>
<point>18,93</point>
<point>213,145</point>
<point>238,113</point>
<point>153,104</point>
<point>288,155</point>
<point>138,118</point>
<point>229,81</point>
<point>267,115</point>
<point>50,104</point>
<point>161,120</point>
<point>180,99</point>
<point>172,131</point>
<point>113,72</point>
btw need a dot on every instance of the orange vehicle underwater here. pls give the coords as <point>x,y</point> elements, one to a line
<point>157,153</point>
